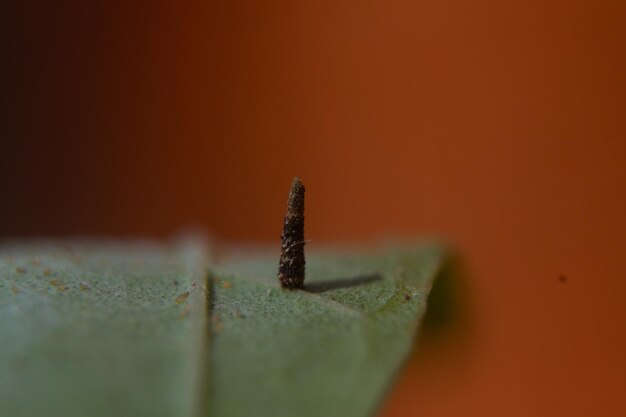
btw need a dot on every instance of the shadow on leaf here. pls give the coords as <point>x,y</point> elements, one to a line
<point>339,283</point>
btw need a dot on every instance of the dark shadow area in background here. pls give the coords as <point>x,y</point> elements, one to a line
<point>447,324</point>
<point>335,284</point>
<point>447,303</point>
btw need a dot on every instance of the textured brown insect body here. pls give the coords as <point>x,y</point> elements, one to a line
<point>292,262</point>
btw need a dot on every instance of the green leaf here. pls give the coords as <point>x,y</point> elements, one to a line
<point>332,351</point>
<point>140,330</point>
<point>100,330</point>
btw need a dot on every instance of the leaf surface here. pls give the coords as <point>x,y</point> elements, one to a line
<point>100,330</point>
<point>139,329</point>
<point>330,351</point>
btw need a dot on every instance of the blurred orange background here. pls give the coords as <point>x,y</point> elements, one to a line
<point>498,125</point>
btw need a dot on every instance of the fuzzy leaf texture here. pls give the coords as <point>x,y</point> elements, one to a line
<point>139,329</point>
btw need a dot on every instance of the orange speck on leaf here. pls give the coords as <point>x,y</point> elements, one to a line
<point>181,298</point>
<point>217,323</point>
